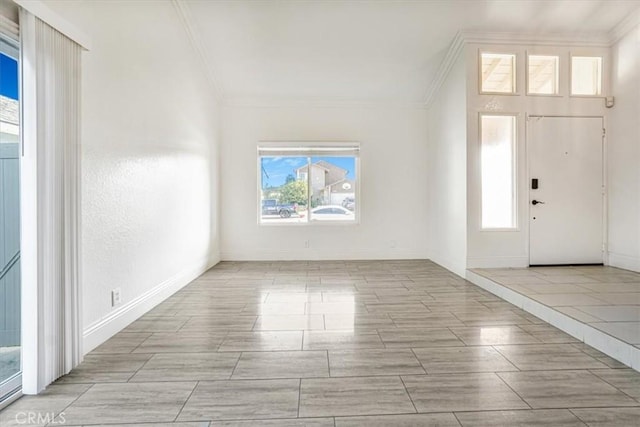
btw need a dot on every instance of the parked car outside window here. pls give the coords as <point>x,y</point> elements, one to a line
<point>331,213</point>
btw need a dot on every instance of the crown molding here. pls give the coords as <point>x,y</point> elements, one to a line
<point>625,26</point>
<point>182,9</point>
<point>317,102</point>
<point>462,38</point>
<point>455,48</point>
<point>599,39</point>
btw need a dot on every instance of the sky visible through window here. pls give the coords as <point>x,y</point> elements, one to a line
<point>8,77</point>
<point>276,169</point>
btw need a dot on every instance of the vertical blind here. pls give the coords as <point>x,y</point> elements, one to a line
<point>51,68</point>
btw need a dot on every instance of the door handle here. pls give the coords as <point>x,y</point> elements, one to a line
<point>535,202</point>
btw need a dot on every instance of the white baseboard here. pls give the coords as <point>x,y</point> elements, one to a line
<point>498,262</point>
<point>322,255</point>
<point>611,346</point>
<point>624,261</point>
<point>100,331</point>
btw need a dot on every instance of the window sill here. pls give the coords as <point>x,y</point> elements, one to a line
<point>547,95</point>
<point>499,93</point>
<point>588,96</point>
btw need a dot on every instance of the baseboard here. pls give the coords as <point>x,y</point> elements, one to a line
<point>100,331</point>
<point>498,262</point>
<point>624,261</point>
<point>611,346</point>
<point>322,255</point>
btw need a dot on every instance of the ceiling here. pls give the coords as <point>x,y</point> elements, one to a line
<point>364,50</point>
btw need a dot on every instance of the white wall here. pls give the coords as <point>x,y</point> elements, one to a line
<point>488,248</point>
<point>447,167</point>
<point>393,175</point>
<point>624,154</point>
<point>149,135</point>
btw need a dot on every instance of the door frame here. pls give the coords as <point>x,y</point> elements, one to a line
<point>605,186</point>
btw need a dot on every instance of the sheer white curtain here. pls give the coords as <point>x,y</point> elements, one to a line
<point>51,202</point>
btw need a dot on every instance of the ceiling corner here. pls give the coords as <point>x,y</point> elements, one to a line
<point>445,67</point>
<point>623,27</point>
<point>182,9</point>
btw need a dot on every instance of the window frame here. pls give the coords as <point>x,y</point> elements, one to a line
<point>516,80</point>
<point>309,150</point>
<point>514,172</point>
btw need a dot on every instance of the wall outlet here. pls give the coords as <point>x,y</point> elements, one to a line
<point>306,244</point>
<point>116,297</point>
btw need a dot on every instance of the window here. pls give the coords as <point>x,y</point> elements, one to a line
<point>498,72</point>
<point>498,142</point>
<point>586,75</point>
<point>303,184</point>
<point>542,75</point>
<point>10,284</point>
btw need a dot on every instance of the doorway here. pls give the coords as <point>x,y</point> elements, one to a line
<point>10,281</point>
<point>566,190</point>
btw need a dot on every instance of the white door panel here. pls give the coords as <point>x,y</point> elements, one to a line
<point>565,155</point>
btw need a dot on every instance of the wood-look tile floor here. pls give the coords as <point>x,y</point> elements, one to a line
<point>369,343</point>
<point>605,298</point>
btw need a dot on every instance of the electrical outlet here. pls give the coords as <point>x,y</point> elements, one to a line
<point>306,244</point>
<point>116,297</point>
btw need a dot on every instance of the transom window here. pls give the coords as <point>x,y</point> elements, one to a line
<point>586,75</point>
<point>498,73</point>
<point>300,184</point>
<point>543,72</point>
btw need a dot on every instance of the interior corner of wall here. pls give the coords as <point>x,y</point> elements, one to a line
<point>625,262</point>
<point>456,266</point>
<point>215,258</point>
<point>103,329</point>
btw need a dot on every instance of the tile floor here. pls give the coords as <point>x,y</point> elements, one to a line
<point>605,298</point>
<point>384,343</point>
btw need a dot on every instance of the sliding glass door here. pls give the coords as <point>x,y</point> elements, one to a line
<point>10,348</point>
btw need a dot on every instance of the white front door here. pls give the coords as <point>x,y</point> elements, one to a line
<point>566,208</point>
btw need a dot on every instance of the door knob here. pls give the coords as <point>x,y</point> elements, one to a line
<point>535,202</point>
